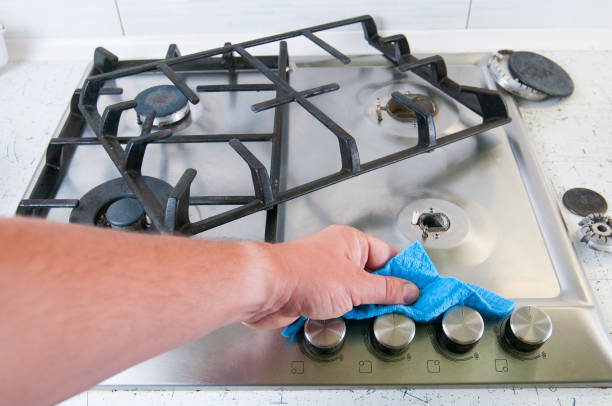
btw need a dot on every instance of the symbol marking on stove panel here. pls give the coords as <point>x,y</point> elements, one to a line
<point>501,365</point>
<point>297,367</point>
<point>365,367</point>
<point>433,366</point>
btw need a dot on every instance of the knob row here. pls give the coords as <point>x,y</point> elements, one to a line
<point>526,329</point>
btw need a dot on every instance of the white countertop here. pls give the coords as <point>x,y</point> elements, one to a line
<point>572,138</point>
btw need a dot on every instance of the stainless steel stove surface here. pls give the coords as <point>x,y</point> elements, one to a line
<point>504,230</point>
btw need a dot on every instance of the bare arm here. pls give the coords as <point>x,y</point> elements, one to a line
<point>79,304</point>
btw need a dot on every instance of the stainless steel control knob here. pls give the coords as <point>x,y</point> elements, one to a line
<point>527,328</point>
<point>392,333</point>
<point>461,329</point>
<point>325,336</point>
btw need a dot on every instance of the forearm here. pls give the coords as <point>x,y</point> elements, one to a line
<point>72,297</point>
<point>78,304</point>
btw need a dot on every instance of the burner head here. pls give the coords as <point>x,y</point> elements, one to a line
<point>113,204</point>
<point>169,104</point>
<point>401,113</point>
<point>126,214</point>
<point>596,231</point>
<point>583,201</point>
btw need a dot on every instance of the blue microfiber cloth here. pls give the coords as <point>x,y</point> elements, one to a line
<point>437,294</point>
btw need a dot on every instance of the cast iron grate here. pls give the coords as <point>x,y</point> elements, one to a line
<point>171,216</point>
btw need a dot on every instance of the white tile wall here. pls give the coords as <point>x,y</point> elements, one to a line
<point>213,21</point>
<point>142,17</point>
<point>541,14</point>
<point>59,18</point>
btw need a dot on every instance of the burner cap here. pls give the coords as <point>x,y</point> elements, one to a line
<point>540,73</point>
<point>126,213</point>
<point>583,201</point>
<point>169,104</point>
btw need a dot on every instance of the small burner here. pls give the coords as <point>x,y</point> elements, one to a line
<point>596,231</point>
<point>126,214</point>
<point>396,110</point>
<point>169,104</point>
<point>583,201</point>
<point>112,204</point>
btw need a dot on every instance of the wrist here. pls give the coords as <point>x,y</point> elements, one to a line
<point>268,279</point>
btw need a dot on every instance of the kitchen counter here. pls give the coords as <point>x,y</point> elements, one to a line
<point>572,139</point>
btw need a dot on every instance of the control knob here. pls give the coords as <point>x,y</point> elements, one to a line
<point>527,328</point>
<point>461,328</point>
<point>392,333</point>
<point>325,336</point>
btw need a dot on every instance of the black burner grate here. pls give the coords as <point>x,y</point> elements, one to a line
<point>171,216</point>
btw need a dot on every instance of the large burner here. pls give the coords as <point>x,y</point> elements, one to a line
<point>168,103</point>
<point>113,204</point>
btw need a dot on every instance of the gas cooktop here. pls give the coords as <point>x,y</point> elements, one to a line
<point>389,144</point>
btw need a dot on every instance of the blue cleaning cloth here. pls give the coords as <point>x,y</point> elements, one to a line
<point>437,294</point>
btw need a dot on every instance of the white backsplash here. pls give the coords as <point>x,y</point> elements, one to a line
<point>61,18</point>
<point>109,18</point>
<point>143,17</point>
<point>71,29</point>
<point>541,14</point>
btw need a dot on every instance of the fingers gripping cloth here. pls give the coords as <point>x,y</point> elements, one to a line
<point>437,294</point>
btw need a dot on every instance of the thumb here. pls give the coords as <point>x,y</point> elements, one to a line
<point>378,289</point>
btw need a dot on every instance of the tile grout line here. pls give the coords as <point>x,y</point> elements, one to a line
<point>467,21</point>
<point>123,29</point>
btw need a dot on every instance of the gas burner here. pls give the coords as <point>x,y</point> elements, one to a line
<point>498,65</point>
<point>596,231</point>
<point>401,113</point>
<point>168,103</point>
<point>113,204</point>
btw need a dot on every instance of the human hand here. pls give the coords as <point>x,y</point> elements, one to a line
<point>326,274</point>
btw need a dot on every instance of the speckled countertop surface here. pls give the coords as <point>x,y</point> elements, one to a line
<point>573,141</point>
